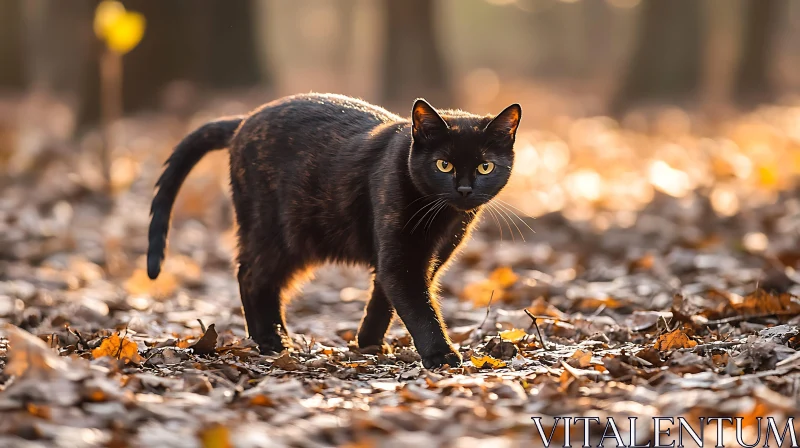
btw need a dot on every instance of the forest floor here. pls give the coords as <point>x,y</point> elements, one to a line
<point>661,274</point>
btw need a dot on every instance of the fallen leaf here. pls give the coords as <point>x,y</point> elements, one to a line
<point>120,348</point>
<point>140,284</point>
<point>217,436</point>
<point>761,302</point>
<point>487,361</point>
<point>28,354</point>
<point>480,293</point>
<point>581,359</point>
<point>514,335</point>
<point>207,344</point>
<point>286,362</point>
<point>675,339</point>
<point>503,277</point>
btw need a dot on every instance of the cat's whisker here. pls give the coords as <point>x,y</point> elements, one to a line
<point>510,218</point>
<point>425,197</point>
<point>419,211</point>
<point>430,208</point>
<point>518,217</point>
<point>508,204</point>
<point>488,209</point>
<point>499,212</point>
<point>433,217</point>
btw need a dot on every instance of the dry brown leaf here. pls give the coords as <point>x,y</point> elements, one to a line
<point>540,307</point>
<point>207,344</point>
<point>120,348</point>
<point>761,302</point>
<point>673,340</point>
<point>581,359</point>
<point>29,354</point>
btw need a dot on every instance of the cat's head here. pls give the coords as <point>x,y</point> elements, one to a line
<point>462,158</point>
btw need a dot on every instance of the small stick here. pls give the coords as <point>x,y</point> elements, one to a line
<point>488,309</point>
<point>122,341</point>
<point>79,336</point>
<point>202,325</point>
<point>535,325</point>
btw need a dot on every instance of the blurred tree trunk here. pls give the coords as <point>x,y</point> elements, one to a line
<point>205,42</point>
<point>12,75</point>
<point>758,35</point>
<point>667,61</point>
<point>413,66</point>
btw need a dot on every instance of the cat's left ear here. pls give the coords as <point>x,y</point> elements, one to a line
<point>506,122</point>
<point>426,122</point>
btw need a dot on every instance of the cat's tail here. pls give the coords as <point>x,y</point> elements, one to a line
<point>214,135</point>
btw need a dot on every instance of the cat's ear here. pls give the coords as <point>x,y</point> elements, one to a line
<point>506,122</point>
<point>426,122</point>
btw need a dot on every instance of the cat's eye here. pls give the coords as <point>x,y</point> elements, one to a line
<point>444,166</point>
<point>486,167</point>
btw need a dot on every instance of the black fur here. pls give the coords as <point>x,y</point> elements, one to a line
<point>326,178</point>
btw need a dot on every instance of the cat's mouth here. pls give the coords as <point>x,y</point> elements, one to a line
<point>467,204</point>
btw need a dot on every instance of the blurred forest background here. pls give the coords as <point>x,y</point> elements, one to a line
<point>659,152</point>
<point>563,60</point>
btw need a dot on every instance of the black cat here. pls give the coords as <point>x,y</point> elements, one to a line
<point>322,178</point>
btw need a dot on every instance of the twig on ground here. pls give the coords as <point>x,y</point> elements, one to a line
<point>122,342</point>
<point>202,325</point>
<point>535,325</point>
<point>77,334</point>
<point>488,309</point>
<point>730,320</point>
<point>710,346</point>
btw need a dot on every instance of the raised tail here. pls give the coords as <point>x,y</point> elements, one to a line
<point>210,136</point>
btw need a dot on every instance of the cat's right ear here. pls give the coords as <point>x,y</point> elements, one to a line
<point>425,121</point>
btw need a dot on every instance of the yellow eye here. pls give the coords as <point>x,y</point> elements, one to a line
<point>444,166</point>
<point>486,167</point>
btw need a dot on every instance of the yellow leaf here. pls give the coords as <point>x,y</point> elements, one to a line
<point>503,277</point>
<point>123,349</point>
<point>675,339</point>
<point>140,284</point>
<point>514,335</point>
<point>125,33</point>
<point>487,361</point>
<point>216,436</point>
<point>106,13</point>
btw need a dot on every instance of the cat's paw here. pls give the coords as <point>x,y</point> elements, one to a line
<point>439,359</point>
<point>273,344</point>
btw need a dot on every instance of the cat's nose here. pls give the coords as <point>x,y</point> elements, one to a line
<point>465,191</point>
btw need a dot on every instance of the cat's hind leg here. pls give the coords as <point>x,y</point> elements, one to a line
<point>377,318</point>
<point>264,276</point>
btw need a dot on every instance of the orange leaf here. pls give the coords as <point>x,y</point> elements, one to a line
<point>761,302</point>
<point>115,347</point>
<point>503,277</point>
<point>674,340</point>
<point>216,436</point>
<point>140,284</point>
<point>481,292</point>
<point>487,361</point>
<point>582,359</point>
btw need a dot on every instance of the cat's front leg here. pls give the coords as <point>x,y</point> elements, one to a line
<point>403,278</point>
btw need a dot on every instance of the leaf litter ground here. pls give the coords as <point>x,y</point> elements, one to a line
<point>687,309</point>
